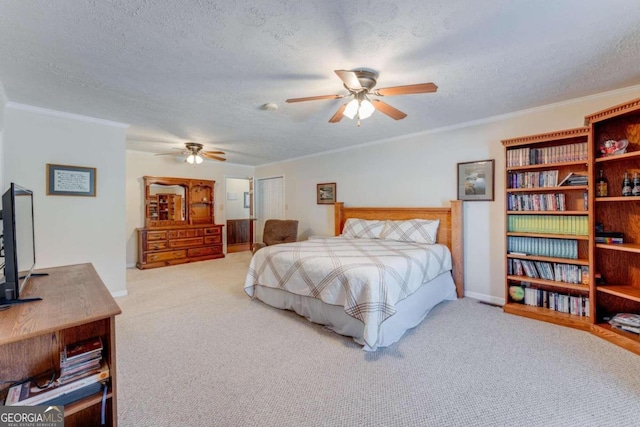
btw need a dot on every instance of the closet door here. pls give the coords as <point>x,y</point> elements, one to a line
<point>269,202</point>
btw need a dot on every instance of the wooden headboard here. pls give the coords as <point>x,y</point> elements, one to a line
<point>449,231</point>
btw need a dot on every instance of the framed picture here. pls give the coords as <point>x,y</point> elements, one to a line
<point>63,180</point>
<point>246,199</point>
<point>326,193</point>
<point>475,180</point>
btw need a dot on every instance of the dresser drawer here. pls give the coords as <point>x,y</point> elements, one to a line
<point>154,246</point>
<point>209,250</point>
<point>156,235</point>
<point>212,230</point>
<point>181,234</point>
<point>166,256</point>
<point>212,240</point>
<point>185,243</point>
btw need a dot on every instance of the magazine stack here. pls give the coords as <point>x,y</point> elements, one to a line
<point>83,373</point>
<point>627,322</point>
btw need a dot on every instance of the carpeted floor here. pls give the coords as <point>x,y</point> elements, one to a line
<point>195,350</point>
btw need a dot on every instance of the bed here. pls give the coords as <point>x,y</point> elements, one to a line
<point>370,289</point>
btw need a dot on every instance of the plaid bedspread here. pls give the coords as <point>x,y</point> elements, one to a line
<point>368,277</point>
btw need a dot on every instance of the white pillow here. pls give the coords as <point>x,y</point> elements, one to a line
<point>411,230</point>
<point>355,227</point>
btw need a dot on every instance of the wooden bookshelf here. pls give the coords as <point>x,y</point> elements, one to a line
<point>75,306</point>
<point>528,158</point>
<point>618,287</point>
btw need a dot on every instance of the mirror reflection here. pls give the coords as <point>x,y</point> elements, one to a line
<point>167,202</point>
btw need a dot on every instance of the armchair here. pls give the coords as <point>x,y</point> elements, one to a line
<point>277,231</point>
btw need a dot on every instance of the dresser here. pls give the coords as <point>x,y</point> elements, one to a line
<point>159,247</point>
<point>179,223</point>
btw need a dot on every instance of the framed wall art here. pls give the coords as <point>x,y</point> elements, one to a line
<point>475,180</point>
<point>63,180</point>
<point>326,193</point>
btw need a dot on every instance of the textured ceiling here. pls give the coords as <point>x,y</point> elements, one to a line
<point>201,70</point>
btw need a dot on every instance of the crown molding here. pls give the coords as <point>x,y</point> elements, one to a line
<point>64,115</point>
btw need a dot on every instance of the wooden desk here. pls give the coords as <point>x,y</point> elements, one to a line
<point>75,306</point>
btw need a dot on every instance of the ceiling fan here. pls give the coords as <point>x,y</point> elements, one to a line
<point>194,153</point>
<point>360,84</point>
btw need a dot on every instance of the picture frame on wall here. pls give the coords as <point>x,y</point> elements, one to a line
<point>246,199</point>
<point>476,180</point>
<point>326,193</point>
<point>64,180</point>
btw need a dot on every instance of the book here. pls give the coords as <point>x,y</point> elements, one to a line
<point>632,329</point>
<point>627,319</point>
<point>78,394</point>
<point>609,234</point>
<point>617,240</point>
<point>80,367</point>
<point>28,394</point>
<point>574,179</point>
<point>82,349</point>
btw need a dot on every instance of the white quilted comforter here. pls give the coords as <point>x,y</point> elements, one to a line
<point>367,277</point>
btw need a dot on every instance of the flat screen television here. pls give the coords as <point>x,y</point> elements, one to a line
<point>19,243</point>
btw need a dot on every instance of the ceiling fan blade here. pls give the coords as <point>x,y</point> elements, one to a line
<point>213,152</point>
<point>387,109</point>
<point>349,78</point>
<point>339,114</point>
<point>206,155</point>
<point>406,90</point>
<point>177,153</point>
<point>315,98</point>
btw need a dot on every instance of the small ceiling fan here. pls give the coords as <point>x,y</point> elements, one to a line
<point>360,84</point>
<point>194,153</point>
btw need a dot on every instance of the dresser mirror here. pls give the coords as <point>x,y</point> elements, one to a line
<point>166,201</point>
<point>173,202</point>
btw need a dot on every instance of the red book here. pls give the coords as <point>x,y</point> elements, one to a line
<point>77,350</point>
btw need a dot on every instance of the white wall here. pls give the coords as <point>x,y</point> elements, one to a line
<point>71,230</point>
<point>140,164</point>
<point>3,102</point>
<point>420,170</point>
<point>235,208</point>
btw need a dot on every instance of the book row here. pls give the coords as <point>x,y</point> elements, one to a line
<point>538,156</point>
<point>556,248</point>
<point>561,224</point>
<point>532,179</point>
<point>573,304</point>
<point>567,273</point>
<point>536,202</point>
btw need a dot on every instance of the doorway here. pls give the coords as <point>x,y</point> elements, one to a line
<point>269,200</point>
<point>238,211</point>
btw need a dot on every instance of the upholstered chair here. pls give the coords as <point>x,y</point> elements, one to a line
<point>277,231</point>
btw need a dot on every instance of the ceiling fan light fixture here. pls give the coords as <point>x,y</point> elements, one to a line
<point>352,109</point>
<point>366,109</point>
<point>194,159</point>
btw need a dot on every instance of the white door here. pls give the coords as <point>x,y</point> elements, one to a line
<point>269,202</point>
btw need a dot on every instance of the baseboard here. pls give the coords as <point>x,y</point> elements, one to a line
<point>119,294</point>
<point>131,265</point>
<point>485,298</point>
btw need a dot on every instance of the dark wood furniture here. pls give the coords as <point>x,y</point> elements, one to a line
<point>75,306</point>
<point>611,284</point>
<point>179,223</point>
<point>239,235</point>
